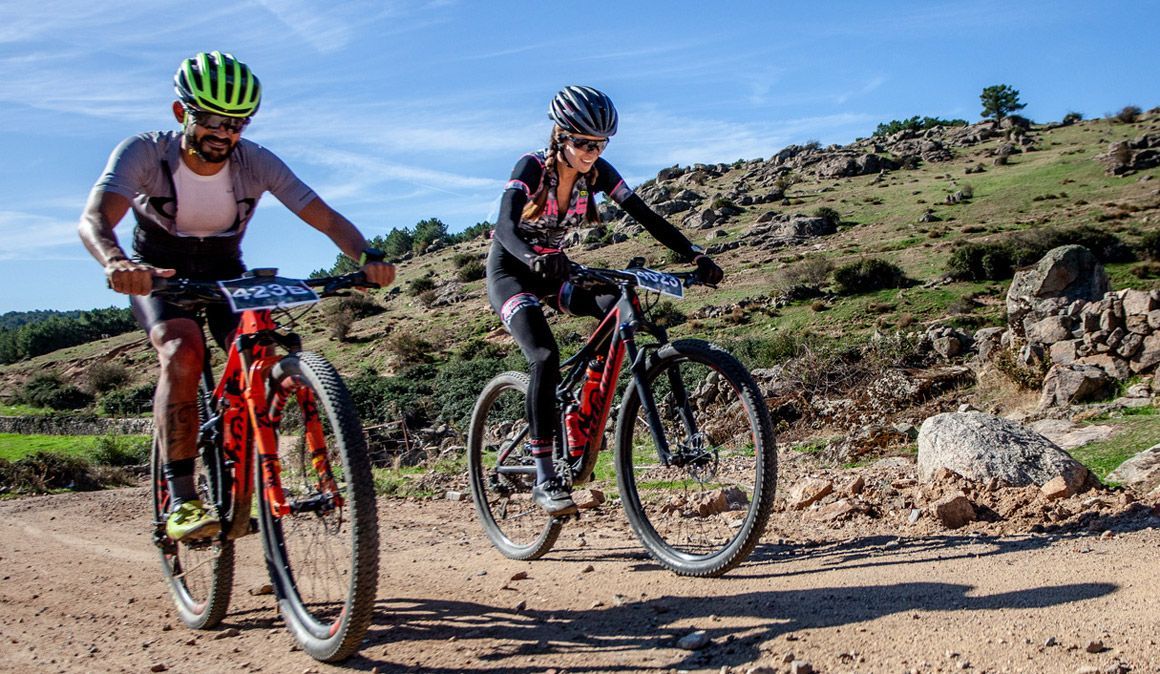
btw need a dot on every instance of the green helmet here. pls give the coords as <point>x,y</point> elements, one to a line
<point>218,83</point>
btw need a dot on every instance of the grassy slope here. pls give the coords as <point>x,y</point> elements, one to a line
<point>880,219</point>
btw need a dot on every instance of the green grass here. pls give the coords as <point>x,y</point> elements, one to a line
<point>1139,429</point>
<point>14,446</point>
<point>24,411</point>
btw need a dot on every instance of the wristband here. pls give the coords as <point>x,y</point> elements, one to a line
<point>371,254</point>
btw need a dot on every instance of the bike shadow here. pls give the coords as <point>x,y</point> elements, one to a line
<point>524,641</point>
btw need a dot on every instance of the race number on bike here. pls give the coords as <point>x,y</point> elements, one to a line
<point>266,292</point>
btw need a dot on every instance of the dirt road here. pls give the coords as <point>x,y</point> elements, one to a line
<point>81,591</point>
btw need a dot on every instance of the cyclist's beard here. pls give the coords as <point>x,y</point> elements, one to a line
<point>207,152</point>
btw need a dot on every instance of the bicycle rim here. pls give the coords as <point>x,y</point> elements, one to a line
<point>704,517</point>
<point>323,556</point>
<point>516,526</point>
<point>199,575</point>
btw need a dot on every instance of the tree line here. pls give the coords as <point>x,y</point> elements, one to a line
<point>61,330</point>
<point>400,244</point>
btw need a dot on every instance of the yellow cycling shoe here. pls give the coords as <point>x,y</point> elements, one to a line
<point>191,521</point>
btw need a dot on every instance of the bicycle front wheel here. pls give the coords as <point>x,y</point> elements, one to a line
<point>323,555</point>
<point>200,574</point>
<point>704,512</point>
<point>502,473</point>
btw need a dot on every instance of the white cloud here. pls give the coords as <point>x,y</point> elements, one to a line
<point>26,236</point>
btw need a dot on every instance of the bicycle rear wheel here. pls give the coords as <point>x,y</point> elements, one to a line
<point>200,574</point>
<point>702,514</point>
<point>323,556</point>
<point>502,473</point>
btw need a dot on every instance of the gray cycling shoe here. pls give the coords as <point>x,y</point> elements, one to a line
<point>554,497</point>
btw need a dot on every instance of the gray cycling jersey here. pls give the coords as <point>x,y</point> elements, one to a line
<point>141,169</point>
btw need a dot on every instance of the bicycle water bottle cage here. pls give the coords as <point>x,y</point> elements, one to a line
<point>260,271</point>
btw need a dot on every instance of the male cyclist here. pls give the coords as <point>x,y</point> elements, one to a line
<point>193,192</point>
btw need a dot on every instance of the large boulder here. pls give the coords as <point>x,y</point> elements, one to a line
<point>1068,272</point>
<point>1141,472</point>
<point>981,447</point>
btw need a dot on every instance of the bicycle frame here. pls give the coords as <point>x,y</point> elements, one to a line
<point>615,338</point>
<point>244,407</point>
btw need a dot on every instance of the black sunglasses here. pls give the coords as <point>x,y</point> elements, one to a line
<point>213,122</point>
<point>586,144</point>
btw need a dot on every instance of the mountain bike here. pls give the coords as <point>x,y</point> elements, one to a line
<point>281,452</point>
<point>695,456</point>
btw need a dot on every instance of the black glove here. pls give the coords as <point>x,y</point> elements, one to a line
<point>707,270</point>
<point>554,266</point>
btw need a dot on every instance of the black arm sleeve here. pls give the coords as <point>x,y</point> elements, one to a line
<point>525,181</point>
<point>610,182</point>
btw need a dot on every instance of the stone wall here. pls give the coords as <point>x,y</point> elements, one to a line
<point>69,425</point>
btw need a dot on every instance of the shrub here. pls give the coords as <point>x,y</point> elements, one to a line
<point>409,348</point>
<point>119,450</point>
<point>666,314</point>
<point>106,376</point>
<point>360,305</point>
<point>341,321</point>
<point>472,271</point>
<point>830,215</point>
<point>457,385</point>
<point>421,285</point>
<point>45,471</point>
<point>1071,118</point>
<point>1128,114</point>
<point>49,390</point>
<point>868,275</point>
<point>127,401</point>
<point>427,298</point>
<point>405,396</point>
<point>461,259</point>
<point>759,352</point>
<point>803,279</point>
<point>722,202</point>
<point>980,261</point>
<point>1150,245</point>
<point>785,181</point>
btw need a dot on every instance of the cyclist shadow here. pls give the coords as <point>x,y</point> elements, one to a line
<point>523,640</point>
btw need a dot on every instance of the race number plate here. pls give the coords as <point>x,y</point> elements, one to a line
<point>266,292</point>
<point>658,281</point>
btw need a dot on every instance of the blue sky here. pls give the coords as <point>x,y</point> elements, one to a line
<point>399,111</point>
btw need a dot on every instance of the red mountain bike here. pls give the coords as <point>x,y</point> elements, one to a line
<point>695,457</point>
<point>281,452</point>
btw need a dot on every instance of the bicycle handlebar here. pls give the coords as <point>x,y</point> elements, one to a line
<point>582,275</point>
<point>209,292</point>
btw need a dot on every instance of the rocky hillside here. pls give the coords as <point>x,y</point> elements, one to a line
<point>863,282</point>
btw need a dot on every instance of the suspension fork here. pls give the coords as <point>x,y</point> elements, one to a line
<point>639,367</point>
<point>269,465</point>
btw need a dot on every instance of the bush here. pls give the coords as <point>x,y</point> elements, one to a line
<point>43,472</point>
<point>409,348</point>
<point>761,352</point>
<point>830,215</point>
<point>405,396</point>
<point>119,450</point>
<point>868,275</point>
<point>667,315</point>
<point>980,261</point>
<point>1128,114</point>
<point>457,385</point>
<point>127,401</point>
<point>1150,245</point>
<point>421,285</point>
<point>722,202</point>
<point>106,376</point>
<point>803,279</point>
<point>472,271</point>
<point>997,260</point>
<point>427,298</point>
<point>49,390</point>
<point>1071,118</point>
<point>461,259</point>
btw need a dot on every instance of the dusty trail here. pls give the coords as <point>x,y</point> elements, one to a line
<point>80,590</point>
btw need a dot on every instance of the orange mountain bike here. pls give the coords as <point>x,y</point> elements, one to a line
<point>695,458</point>
<point>281,452</point>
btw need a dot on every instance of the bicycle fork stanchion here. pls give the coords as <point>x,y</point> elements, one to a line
<point>316,442</point>
<point>652,414</point>
<point>267,441</point>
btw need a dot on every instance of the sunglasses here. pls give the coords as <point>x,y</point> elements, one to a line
<point>211,122</point>
<point>586,144</point>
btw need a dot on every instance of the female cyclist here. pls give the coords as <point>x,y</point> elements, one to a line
<point>551,191</point>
